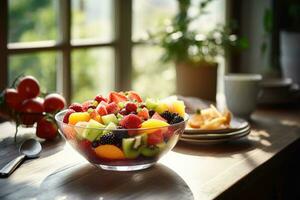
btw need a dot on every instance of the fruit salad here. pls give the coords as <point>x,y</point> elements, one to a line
<point>122,128</point>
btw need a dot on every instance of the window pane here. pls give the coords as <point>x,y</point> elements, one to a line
<point>32,20</point>
<point>148,15</point>
<point>92,19</point>
<point>150,76</point>
<point>40,65</point>
<point>92,73</point>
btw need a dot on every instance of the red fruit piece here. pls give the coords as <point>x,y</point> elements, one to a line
<point>157,116</point>
<point>85,147</point>
<point>68,113</point>
<point>144,114</point>
<point>12,98</point>
<point>112,108</point>
<point>131,121</point>
<point>31,111</point>
<point>77,107</point>
<point>131,107</point>
<point>101,110</point>
<point>87,104</point>
<point>134,96</point>
<point>28,87</point>
<point>155,137</point>
<point>46,128</point>
<point>100,98</point>
<point>116,97</point>
<point>54,102</point>
<point>124,112</point>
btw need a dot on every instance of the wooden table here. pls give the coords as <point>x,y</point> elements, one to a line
<point>261,166</point>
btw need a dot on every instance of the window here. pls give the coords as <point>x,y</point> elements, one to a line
<point>83,47</point>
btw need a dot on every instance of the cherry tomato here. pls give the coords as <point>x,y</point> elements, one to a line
<point>12,98</point>
<point>54,102</point>
<point>46,128</point>
<point>28,87</point>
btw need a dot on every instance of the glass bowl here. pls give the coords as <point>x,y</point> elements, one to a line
<point>132,149</point>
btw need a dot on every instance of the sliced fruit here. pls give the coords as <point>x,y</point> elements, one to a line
<point>155,137</point>
<point>67,115</point>
<point>128,148</point>
<point>143,113</point>
<point>111,126</point>
<point>92,130</point>
<point>131,107</point>
<point>76,106</point>
<point>109,118</point>
<point>154,123</point>
<point>69,132</point>
<point>112,108</point>
<point>116,97</point>
<point>158,117</point>
<point>161,107</point>
<point>109,151</point>
<point>100,98</point>
<point>151,104</point>
<point>131,121</point>
<point>95,116</point>
<point>134,96</point>
<point>78,117</point>
<point>150,151</point>
<point>87,104</point>
<point>79,128</point>
<point>101,109</point>
<point>178,107</point>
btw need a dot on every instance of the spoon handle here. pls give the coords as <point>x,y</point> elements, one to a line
<point>11,166</point>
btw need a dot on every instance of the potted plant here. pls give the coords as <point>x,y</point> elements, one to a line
<point>195,54</point>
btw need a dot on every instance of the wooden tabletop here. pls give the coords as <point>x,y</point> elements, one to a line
<point>187,172</point>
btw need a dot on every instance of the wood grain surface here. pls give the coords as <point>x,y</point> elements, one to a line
<point>187,172</point>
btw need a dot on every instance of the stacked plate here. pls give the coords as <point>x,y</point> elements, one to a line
<point>238,128</point>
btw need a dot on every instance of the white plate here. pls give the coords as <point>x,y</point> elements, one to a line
<point>235,125</point>
<point>215,135</point>
<point>214,141</point>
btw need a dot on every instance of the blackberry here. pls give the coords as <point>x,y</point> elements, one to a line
<point>151,113</point>
<point>109,138</point>
<point>95,144</point>
<point>176,119</point>
<point>168,116</point>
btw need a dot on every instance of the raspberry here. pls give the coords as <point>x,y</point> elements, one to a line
<point>131,121</point>
<point>176,119</point>
<point>131,107</point>
<point>68,113</point>
<point>77,107</point>
<point>168,116</point>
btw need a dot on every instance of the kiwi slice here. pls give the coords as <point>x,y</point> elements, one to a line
<point>153,150</point>
<point>131,146</point>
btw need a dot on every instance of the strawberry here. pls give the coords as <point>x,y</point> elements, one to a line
<point>87,104</point>
<point>116,97</point>
<point>134,96</point>
<point>131,121</point>
<point>157,116</point>
<point>155,138</point>
<point>101,110</point>
<point>100,98</point>
<point>143,113</point>
<point>77,107</point>
<point>131,107</point>
<point>68,113</point>
<point>112,108</point>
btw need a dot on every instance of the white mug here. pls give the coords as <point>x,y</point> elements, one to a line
<point>241,93</point>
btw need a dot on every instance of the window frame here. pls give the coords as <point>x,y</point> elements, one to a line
<point>122,45</point>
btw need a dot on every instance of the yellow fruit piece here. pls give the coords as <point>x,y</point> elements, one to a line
<point>154,123</point>
<point>162,107</point>
<point>177,107</point>
<point>79,117</point>
<point>109,151</point>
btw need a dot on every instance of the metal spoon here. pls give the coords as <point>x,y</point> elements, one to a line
<point>29,149</point>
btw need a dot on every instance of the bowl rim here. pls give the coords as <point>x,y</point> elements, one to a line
<point>57,115</point>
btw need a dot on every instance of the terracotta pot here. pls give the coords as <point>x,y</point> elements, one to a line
<point>197,80</point>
